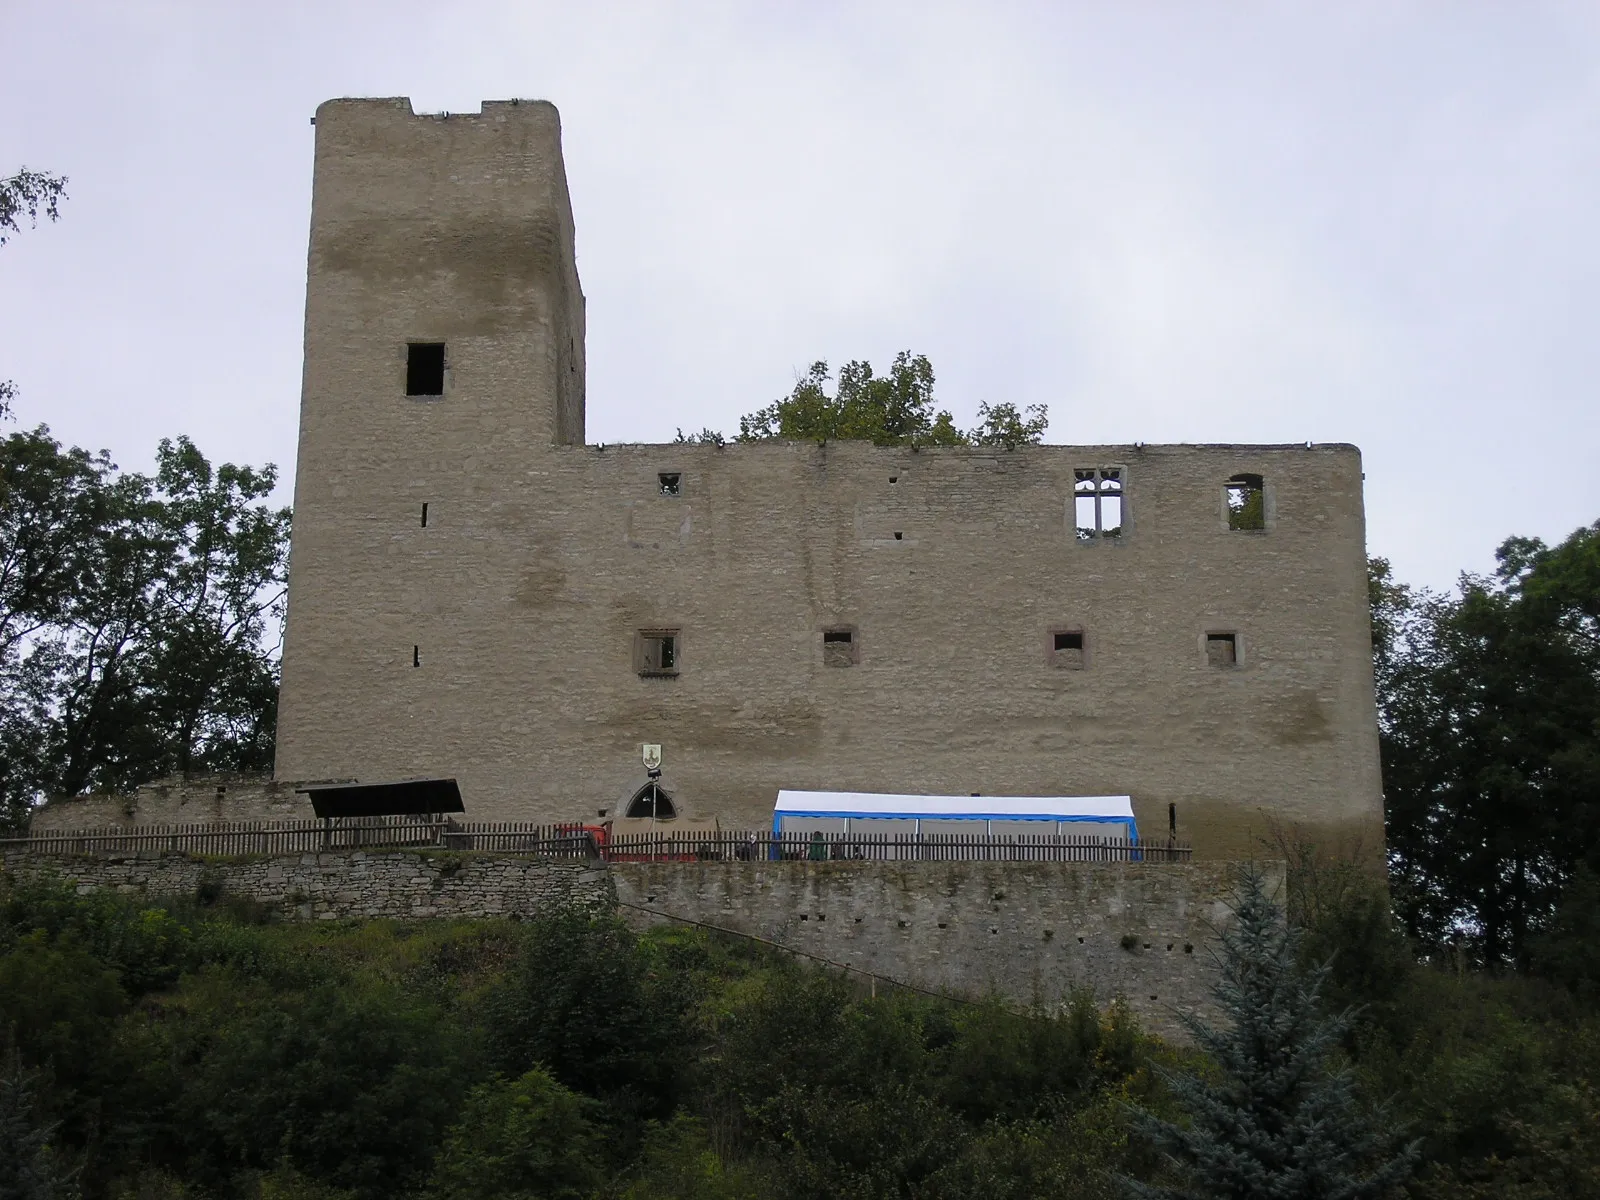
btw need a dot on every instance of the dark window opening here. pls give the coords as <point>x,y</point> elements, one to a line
<point>424,516</point>
<point>1097,503</point>
<point>894,479</point>
<point>671,482</point>
<point>653,802</point>
<point>658,652</point>
<point>1222,649</point>
<point>1247,502</point>
<point>425,369</point>
<point>899,536</point>
<point>838,647</point>
<point>1066,646</point>
<point>416,656</point>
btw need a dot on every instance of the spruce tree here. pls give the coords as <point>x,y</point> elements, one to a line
<point>27,1164</point>
<point>1276,1121</point>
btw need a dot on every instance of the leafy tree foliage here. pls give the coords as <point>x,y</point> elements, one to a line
<point>26,193</point>
<point>1002,425</point>
<point>1490,704</point>
<point>1276,1123</point>
<point>135,617</point>
<point>890,410</point>
<point>520,1139</point>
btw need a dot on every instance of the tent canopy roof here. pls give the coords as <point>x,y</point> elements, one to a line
<point>877,804</point>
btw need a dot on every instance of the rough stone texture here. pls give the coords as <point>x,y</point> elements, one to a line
<point>197,800</point>
<point>542,558</point>
<point>1026,932</point>
<point>348,885</point>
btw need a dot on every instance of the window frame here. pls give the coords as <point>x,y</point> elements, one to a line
<point>1098,475</point>
<point>1233,638</point>
<point>854,643</point>
<point>444,368</point>
<point>641,657</point>
<point>1243,478</point>
<point>1053,656</point>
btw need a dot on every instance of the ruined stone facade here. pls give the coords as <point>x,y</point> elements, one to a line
<point>472,587</point>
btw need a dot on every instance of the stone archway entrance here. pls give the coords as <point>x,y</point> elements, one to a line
<point>651,801</point>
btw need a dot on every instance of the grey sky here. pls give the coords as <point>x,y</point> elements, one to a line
<point>1169,222</point>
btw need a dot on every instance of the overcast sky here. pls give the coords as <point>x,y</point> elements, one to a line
<point>1209,222</point>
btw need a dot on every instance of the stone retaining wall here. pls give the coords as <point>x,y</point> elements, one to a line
<point>1024,932</point>
<point>348,884</point>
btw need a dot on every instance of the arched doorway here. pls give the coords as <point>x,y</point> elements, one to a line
<point>651,801</point>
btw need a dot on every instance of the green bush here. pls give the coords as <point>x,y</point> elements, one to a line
<point>521,1138</point>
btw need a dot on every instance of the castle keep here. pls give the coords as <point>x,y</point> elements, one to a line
<point>476,592</point>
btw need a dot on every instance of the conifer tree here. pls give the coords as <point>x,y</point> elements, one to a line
<point>1276,1121</point>
<point>27,1164</point>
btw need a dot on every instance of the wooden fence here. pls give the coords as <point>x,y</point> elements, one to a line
<point>580,842</point>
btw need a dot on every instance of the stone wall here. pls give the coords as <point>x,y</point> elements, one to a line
<point>355,885</point>
<point>1024,932</point>
<point>201,799</point>
<point>1028,932</point>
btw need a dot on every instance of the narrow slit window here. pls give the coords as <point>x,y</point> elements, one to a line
<point>670,482</point>
<point>425,369</point>
<point>838,647</point>
<point>1222,649</point>
<point>416,656</point>
<point>1066,648</point>
<point>1097,502</point>
<point>424,515</point>
<point>1247,502</point>
<point>656,652</point>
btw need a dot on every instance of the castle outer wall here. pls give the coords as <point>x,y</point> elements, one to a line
<point>500,642</point>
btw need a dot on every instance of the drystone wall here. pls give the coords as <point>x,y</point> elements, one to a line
<point>1029,933</point>
<point>345,885</point>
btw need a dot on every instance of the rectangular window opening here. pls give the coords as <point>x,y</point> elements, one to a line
<point>1222,649</point>
<point>671,482</point>
<point>657,652</point>
<point>1066,648</point>
<point>1247,508</point>
<point>416,656</point>
<point>425,369</point>
<point>1097,502</point>
<point>838,647</point>
<point>424,515</point>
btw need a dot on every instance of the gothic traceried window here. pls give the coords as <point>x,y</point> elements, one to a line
<point>1097,502</point>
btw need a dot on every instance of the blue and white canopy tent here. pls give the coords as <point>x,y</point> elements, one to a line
<point>873,814</point>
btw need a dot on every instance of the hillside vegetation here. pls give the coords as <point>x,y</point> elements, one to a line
<point>192,1051</point>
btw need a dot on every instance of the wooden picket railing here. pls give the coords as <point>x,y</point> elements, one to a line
<point>579,842</point>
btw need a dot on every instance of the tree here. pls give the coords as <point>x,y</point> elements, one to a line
<point>138,618</point>
<point>1275,1122</point>
<point>893,409</point>
<point>1002,425</point>
<point>520,1139</point>
<point>28,1166</point>
<point>1490,720</point>
<point>26,192</point>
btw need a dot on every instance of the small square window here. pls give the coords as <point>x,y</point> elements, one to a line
<point>1246,497</point>
<point>1066,648</point>
<point>425,369</point>
<point>1222,649</point>
<point>671,483</point>
<point>839,647</point>
<point>656,652</point>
